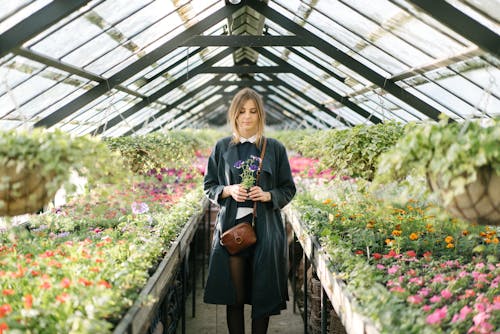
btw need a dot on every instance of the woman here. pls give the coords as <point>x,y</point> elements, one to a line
<point>256,276</point>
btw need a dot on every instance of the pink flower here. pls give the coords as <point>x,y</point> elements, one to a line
<point>415,299</point>
<point>426,308</point>
<point>380,266</point>
<point>464,312</point>
<point>438,315</point>
<point>446,294</point>
<point>435,299</point>
<point>392,270</point>
<point>397,289</point>
<point>424,292</point>
<point>480,265</point>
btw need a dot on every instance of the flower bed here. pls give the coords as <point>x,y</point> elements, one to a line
<point>410,267</point>
<point>79,268</point>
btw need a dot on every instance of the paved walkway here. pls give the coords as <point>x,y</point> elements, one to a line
<point>211,319</point>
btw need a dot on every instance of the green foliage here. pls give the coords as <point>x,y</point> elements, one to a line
<point>451,153</point>
<point>173,149</point>
<point>352,152</point>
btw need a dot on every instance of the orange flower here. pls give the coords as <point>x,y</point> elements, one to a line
<point>414,236</point>
<point>465,232</point>
<point>370,224</point>
<point>495,241</point>
<point>396,233</point>
<point>28,301</point>
<point>3,327</point>
<point>450,245</point>
<point>327,201</point>
<point>85,281</point>
<point>448,239</point>
<point>104,284</point>
<point>388,241</point>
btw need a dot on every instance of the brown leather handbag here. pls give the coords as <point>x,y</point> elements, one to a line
<point>242,236</point>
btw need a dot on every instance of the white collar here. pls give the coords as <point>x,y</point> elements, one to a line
<point>250,140</point>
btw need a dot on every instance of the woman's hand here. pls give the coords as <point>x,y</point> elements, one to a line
<point>257,194</point>
<point>236,191</point>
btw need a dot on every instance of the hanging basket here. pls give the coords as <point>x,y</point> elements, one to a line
<point>479,203</point>
<point>23,190</point>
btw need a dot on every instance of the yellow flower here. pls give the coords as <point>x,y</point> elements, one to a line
<point>413,236</point>
<point>448,240</point>
<point>370,224</point>
<point>495,240</point>
<point>389,242</point>
<point>450,245</point>
<point>327,201</point>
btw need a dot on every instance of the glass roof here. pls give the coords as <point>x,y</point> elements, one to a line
<point>111,67</point>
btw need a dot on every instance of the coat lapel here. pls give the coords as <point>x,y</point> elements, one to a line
<point>230,157</point>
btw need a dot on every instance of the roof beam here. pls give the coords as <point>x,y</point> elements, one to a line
<point>337,54</point>
<point>342,99</point>
<point>311,101</point>
<point>174,105</point>
<point>462,24</point>
<point>246,41</point>
<point>37,22</point>
<point>135,67</point>
<point>30,54</point>
<point>161,92</point>
<point>240,69</point>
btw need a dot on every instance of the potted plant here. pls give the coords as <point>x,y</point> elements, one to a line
<point>460,160</point>
<point>34,165</point>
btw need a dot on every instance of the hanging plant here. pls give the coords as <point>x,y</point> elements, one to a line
<point>461,163</point>
<point>34,165</point>
<point>352,152</point>
<point>154,151</point>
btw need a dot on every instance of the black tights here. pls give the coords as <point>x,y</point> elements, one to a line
<point>234,313</point>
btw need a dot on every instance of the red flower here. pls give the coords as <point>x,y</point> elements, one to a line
<point>3,327</point>
<point>359,252</point>
<point>377,256</point>
<point>5,309</point>
<point>391,253</point>
<point>411,253</point>
<point>8,292</point>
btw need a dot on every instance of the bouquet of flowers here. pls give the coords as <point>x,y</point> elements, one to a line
<point>249,166</point>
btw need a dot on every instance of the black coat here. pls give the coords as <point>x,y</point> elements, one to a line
<point>270,261</point>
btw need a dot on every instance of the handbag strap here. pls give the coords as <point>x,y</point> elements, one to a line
<point>262,153</point>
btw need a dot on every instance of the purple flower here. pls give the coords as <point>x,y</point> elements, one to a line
<point>253,167</point>
<point>238,164</point>
<point>139,208</point>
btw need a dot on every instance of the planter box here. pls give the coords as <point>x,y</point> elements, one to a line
<point>140,316</point>
<point>335,288</point>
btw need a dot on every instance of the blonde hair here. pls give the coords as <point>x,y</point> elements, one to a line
<point>234,109</point>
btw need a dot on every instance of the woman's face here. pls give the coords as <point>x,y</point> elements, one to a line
<point>248,119</point>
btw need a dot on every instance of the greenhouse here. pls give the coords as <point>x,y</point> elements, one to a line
<point>361,139</point>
